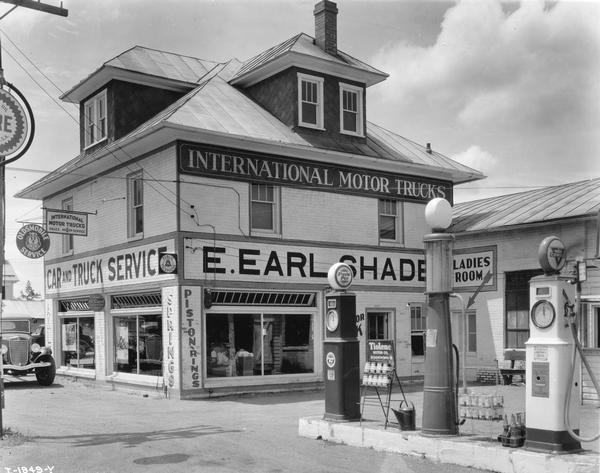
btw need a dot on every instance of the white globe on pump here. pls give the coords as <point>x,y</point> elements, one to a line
<point>438,214</point>
<point>340,276</point>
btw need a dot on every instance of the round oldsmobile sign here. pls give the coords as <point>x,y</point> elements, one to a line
<point>13,124</point>
<point>33,241</point>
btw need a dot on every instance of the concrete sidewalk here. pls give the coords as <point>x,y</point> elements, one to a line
<point>476,445</point>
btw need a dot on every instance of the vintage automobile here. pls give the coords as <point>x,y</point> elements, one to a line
<point>24,351</point>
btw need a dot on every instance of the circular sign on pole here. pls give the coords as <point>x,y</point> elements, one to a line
<point>17,125</point>
<point>13,124</point>
<point>33,241</point>
<point>340,276</point>
<point>552,254</point>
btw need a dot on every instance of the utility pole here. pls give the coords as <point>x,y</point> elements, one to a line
<point>16,154</point>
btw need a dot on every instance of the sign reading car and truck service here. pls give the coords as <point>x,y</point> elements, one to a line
<point>229,260</point>
<point>244,166</point>
<point>127,266</point>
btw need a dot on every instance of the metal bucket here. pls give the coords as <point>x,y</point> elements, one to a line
<point>405,416</point>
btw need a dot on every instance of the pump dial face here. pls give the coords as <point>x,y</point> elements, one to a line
<point>332,320</point>
<point>542,314</point>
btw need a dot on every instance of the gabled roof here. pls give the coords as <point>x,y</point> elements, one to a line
<point>578,199</point>
<point>301,51</point>
<point>144,66</point>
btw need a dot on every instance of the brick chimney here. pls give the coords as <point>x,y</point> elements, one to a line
<point>326,26</point>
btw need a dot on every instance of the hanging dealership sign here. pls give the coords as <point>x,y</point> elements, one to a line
<point>16,123</point>
<point>33,241</point>
<point>66,222</point>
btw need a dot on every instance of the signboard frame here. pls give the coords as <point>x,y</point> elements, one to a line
<point>55,223</point>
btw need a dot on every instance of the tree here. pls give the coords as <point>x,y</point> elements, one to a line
<point>29,294</point>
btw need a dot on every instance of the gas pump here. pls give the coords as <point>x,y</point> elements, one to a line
<point>341,348</point>
<point>552,369</point>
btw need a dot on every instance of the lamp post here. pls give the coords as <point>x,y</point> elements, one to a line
<point>439,397</point>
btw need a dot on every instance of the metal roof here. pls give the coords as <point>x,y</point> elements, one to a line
<point>304,45</point>
<point>578,199</point>
<point>145,64</point>
<point>213,105</point>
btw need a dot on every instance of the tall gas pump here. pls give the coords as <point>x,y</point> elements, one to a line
<point>341,348</point>
<point>550,365</point>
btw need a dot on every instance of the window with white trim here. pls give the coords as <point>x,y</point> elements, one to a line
<point>351,110</point>
<point>135,204</point>
<point>310,101</point>
<point>67,240</point>
<point>94,112</point>
<point>264,208</point>
<point>391,217</point>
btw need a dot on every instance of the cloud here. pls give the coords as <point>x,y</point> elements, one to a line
<point>535,66</point>
<point>477,158</point>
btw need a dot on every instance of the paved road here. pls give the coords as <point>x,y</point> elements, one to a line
<point>70,427</point>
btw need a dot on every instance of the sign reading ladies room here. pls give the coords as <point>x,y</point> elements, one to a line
<point>127,266</point>
<point>238,165</point>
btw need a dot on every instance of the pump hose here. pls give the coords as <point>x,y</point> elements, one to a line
<point>457,421</point>
<point>577,348</point>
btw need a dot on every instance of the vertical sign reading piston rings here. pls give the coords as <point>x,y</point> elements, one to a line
<point>17,126</point>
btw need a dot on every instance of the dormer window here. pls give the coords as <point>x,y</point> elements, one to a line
<point>310,101</point>
<point>95,119</point>
<point>351,110</point>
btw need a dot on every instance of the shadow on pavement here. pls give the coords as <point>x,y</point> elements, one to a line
<point>12,383</point>
<point>132,439</point>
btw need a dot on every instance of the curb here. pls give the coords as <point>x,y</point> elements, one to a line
<point>470,451</point>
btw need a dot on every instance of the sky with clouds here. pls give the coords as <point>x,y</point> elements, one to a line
<point>511,89</point>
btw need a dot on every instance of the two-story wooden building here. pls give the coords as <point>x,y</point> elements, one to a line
<point>217,196</point>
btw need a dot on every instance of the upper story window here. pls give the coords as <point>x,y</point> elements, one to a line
<point>135,204</point>
<point>94,111</point>
<point>351,110</point>
<point>67,240</point>
<point>310,101</point>
<point>264,208</point>
<point>390,221</point>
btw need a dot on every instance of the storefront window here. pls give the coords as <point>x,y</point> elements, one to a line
<point>77,342</point>
<point>138,344</point>
<point>259,344</point>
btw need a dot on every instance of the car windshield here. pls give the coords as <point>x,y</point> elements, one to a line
<point>15,326</point>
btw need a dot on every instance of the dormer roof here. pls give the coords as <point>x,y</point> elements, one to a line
<point>145,66</point>
<point>302,51</point>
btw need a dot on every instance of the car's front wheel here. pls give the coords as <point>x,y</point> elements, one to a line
<point>45,376</point>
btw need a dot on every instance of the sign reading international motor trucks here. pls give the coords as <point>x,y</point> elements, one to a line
<point>66,222</point>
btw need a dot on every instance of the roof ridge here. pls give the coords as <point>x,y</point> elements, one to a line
<point>537,189</point>
<point>139,46</point>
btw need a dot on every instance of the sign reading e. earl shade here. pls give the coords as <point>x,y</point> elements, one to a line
<point>33,241</point>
